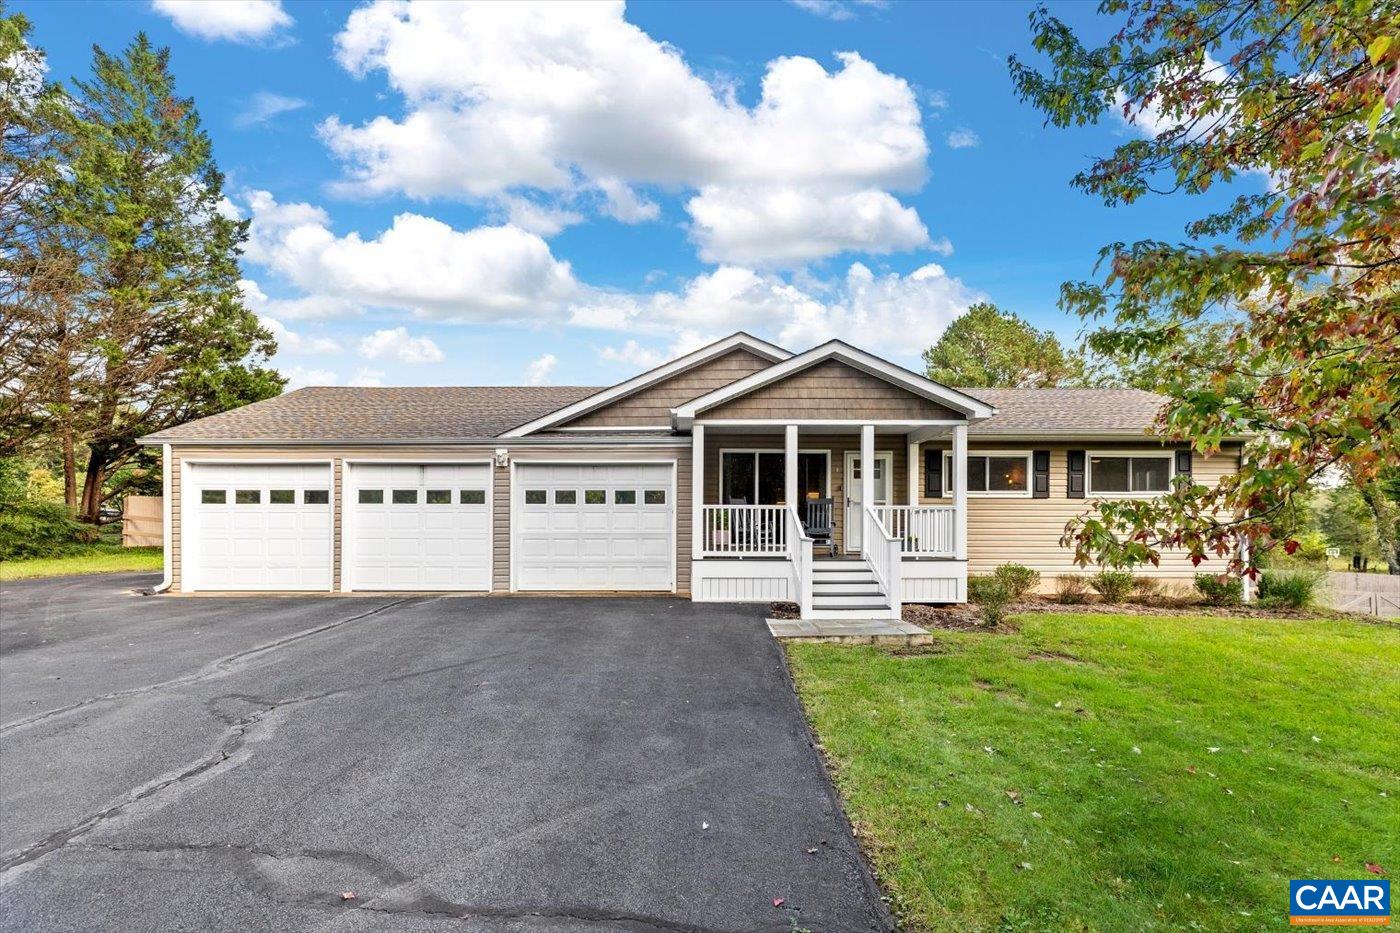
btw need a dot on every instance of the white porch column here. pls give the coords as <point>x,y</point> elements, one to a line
<point>790,463</point>
<point>912,469</point>
<point>867,465</point>
<point>697,490</point>
<point>960,491</point>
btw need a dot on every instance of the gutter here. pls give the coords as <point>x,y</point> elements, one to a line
<point>667,440</point>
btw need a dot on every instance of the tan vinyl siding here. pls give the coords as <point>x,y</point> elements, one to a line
<point>830,390</point>
<point>837,444</point>
<point>1027,531</point>
<point>651,407</point>
<point>429,453</point>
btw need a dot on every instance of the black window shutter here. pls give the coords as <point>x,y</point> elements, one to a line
<point>1075,489</point>
<point>1040,474</point>
<point>1183,462</point>
<point>933,474</point>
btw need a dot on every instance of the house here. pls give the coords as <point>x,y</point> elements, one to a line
<point>830,478</point>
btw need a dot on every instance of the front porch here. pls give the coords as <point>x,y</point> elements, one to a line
<point>790,512</point>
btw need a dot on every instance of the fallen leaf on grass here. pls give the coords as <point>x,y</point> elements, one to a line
<point>1336,858</point>
<point>1190,769</point>
<point>347,895</point>
<point>1015,797</point>
<point>1374,869</point>
<point>777,902</point>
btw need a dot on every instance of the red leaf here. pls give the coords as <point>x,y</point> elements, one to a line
<point>1374,869</point>
<point>1290,546</point>
<point>777,902</point>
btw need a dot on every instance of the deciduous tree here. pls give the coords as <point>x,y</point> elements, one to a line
<point>1291,104</point>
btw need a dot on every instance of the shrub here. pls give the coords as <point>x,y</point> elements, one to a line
<point>1220,591</point>
<point>1071,589</point>
<point>991,596</point>
<point>39,529</point>
<point>1113,585</point>
<point>1288,589</point>
<point>1018,579</point>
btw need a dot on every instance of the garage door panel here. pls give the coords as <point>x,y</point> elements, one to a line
<point>258,544</point>
<point>418,545</point>
<point>578,544</point>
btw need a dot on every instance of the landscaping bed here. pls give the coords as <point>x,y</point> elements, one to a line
<point>1110,771</point>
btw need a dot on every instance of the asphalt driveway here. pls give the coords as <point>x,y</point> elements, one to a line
<point>456,763</point>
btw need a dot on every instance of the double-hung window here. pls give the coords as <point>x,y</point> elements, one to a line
<point>1112,474</point>
<point>992,473</point>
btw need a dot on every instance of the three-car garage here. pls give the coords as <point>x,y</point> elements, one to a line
<point>427,526</point>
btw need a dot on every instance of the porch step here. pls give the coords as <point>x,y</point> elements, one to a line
<point>868,586</point>
<point>850,601</point>
<point>843,576</point>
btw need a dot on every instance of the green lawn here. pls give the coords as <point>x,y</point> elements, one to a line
<point>100,558</point>
<point>1115,772</point>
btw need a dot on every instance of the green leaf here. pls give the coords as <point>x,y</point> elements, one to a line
<point>1378,47</point>
<point>1374,120</point>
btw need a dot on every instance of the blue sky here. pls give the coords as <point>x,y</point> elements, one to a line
<point>484,195</point>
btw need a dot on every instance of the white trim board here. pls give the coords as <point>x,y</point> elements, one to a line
<point>762,348</point>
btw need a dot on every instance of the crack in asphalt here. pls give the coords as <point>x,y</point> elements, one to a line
<point>216,668</point>
<point>235,738</point>
<point>425,905</point>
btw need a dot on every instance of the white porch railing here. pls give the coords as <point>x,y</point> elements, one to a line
<point>922,530</point>
<point>743,531</point>
<point>800,553</point>
<point>882,551</point>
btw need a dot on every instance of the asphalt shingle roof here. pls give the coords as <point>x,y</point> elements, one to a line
<point>334,413</point>
<point>364,413</point>
<point>1067,411</point>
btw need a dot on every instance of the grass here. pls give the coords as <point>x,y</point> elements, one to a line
<point>1110,772</point>
<point>99,558</point>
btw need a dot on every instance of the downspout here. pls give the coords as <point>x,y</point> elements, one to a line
<point>166,531</point>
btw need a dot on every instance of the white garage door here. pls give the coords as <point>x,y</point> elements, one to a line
<point>418,526</point>
<point>257,527</point>
<point>594,527</point>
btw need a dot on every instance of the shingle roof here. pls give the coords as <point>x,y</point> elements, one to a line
<point>1067,411</point>
<point>363,413</point>
<point>334,413</point>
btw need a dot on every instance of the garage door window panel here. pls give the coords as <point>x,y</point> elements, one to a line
<point>405,497</point>
<point>655,497</point>
<point>595,497</point>
<point>565,497</point>
<point>624,497</point>
<point>316,497</point>
<point>473,497</point>
<point>371,497</point>
<point>247,497</point>
<point>213,497</point>
<point>282,496</point>
<point>438,497</point>
<point>536,497</point>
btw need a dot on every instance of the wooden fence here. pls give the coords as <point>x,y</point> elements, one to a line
<point>141,521</point>
<point>1376,594</point>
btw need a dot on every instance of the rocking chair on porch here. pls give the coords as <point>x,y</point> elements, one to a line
<point>817,522</point>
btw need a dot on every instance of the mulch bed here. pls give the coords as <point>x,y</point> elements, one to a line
<point>965,618</point>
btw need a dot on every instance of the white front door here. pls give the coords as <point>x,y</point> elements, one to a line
<point>257,526</point>
<point>884,468</point>
<point>418,526</point>
<point>594,526</point>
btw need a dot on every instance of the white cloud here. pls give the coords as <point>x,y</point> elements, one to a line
<point>236,20</point>
<point>263,106</point>
<point>936,100</point>
<point>571,98</point>
<point>299,377</point>
<point>791,226</point>
<point>532,217</point>
<point>963,138</point>
<point>540,371</point>
<point>894,314</point>
<point>396,344</point>
<point>634,355</point>
<point>367,377</point>
<point>289,341</point>
<point>419,264</point>
<point>838,10</point>
<point>942,246</point>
